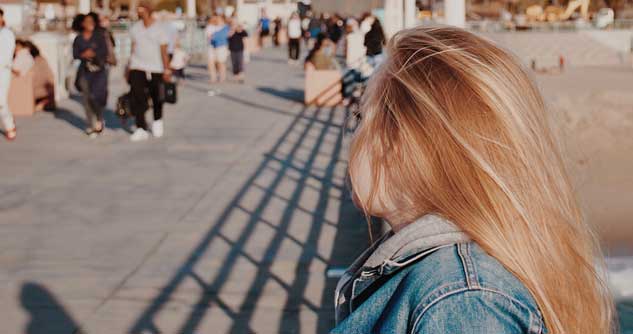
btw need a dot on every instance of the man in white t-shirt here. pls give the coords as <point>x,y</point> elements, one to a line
<point>149,69</point>
<point>7,41</point>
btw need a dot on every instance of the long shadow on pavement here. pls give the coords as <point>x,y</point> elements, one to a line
<point>319,133</point>
<point>47,314</point>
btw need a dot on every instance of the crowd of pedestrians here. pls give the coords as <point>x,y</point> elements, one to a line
<point>331,42</point>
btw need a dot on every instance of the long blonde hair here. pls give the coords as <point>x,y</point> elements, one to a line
<point>453,125</point>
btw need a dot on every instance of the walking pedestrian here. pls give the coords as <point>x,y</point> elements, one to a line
<point>355,51</point>
<point>263,27</point>
<point>90,46</point>
<point>374,40</point>
<point>237,40</point>
<point>455,152</point>
<point>179,60</point>
<point>294,38</point>
<point>148,71</point>
<point>217,32</point>
<point>7,40</point>
<point>277,31</point>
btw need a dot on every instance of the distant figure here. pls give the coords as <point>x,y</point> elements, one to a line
<point>277,31</point>
<point>237,40</point>
<point>374,41</point>
<point>7,41</point>
<point>294,38</point>
<point>43,80</point>
<point>179,60</point>
<point>92,76</point>
<point>314,27</point>
<point>263,27</point>
<point>305,27</point>
<point>335,28</point>
<point>355,50</point>
<point>149,70</point>
<point>321,57</point>
<point>217,32</point>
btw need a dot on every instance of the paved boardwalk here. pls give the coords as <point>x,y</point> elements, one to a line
<point>228,224</point>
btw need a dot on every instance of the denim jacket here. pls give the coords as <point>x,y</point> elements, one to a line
<point>430,278</point>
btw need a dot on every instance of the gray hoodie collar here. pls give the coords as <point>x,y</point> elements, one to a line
<point>427,232</point>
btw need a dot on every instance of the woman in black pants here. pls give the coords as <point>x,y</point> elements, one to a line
<point>92,76</point>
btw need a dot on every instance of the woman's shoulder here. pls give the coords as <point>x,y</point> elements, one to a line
<point>462,285</point>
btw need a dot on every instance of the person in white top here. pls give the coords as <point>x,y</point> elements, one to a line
<point>148,70</point>
<point>179,61</point>
<point>354,45</point>
<point>294,38</point>
<point>7,41</point>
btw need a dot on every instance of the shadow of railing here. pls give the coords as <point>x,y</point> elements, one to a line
<point>308,157</point>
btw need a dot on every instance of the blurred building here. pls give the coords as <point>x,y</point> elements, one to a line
<point>346,7</point>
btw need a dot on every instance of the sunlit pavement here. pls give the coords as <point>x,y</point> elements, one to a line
<point>229,222</point>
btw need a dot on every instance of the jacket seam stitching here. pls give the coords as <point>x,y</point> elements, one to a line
<point>471,266</point>
<point>462,290</point>
<point>465,265</point>
<point>461,258</point>
<point>435,301</point>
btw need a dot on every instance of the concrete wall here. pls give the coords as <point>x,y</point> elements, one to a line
<point>355,7</point>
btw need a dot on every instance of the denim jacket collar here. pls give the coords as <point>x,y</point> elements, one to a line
<point>392,252</point>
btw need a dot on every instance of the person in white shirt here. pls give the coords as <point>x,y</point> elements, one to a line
<point>148,70</point>
<point>7,40</point>
<point>179,61</point>
<point>354,45</point>
<point>294,38</point>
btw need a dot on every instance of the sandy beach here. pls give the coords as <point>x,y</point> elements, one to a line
<point>592,107</point>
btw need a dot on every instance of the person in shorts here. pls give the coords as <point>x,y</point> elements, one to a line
<point>264,27</point>
<point>217,32</point>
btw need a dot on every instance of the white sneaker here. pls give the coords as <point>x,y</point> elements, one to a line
<point>157,128</point>
<point>139,135</point>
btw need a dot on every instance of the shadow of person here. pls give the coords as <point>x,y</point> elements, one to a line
<point>47,315</point>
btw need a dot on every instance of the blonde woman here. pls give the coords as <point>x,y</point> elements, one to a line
<point>455,153</point>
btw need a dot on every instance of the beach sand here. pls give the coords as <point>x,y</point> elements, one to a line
<point>592,107</point>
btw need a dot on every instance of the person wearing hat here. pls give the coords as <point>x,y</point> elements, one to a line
<point>148,71</point>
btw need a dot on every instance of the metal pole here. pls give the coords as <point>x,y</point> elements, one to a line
<point>410,13</point>
<point>455,13</point>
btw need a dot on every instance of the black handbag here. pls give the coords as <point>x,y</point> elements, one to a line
<point>171,93</point>
<point>123,109</point>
